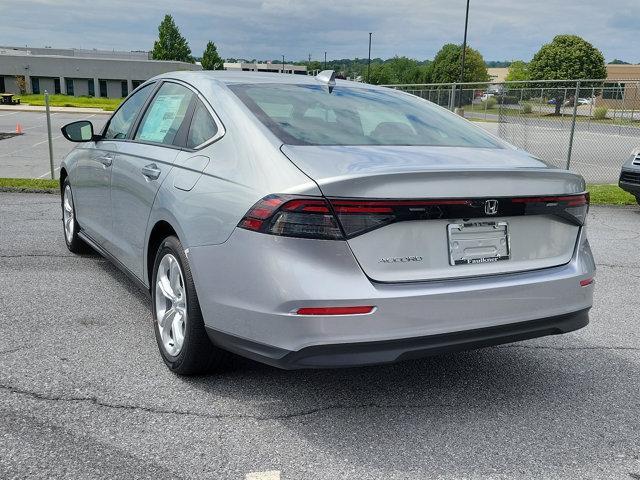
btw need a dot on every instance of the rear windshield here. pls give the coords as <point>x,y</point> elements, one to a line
<point>310,115</point>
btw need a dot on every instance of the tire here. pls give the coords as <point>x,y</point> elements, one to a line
<point>70,227</point>
<point>181,335</point>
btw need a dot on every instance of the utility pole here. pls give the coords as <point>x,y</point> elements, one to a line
<point>464,52</point>
<point>282,63</point>
<point>325,60</point>
<point>369,61</point>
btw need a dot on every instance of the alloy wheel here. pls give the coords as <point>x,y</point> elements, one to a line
<point>171,304</point>
<point>68,216</point>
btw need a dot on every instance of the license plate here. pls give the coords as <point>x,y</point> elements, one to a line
<point>478,242</point>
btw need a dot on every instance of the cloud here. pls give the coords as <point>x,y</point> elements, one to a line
<point>270,28</point>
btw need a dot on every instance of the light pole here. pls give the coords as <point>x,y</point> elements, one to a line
<point>325,60</point>
<point>369,61</point>
<point>464,52</point>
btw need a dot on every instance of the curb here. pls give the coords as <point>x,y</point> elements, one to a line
<point>29,190</point>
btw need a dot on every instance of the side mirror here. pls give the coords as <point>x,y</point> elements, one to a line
<point>81,131</point>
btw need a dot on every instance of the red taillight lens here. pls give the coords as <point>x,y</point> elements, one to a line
<point>289,216</point>
<point>335,310</point>
<point>571,207</point>
<point>360,216</point>
<point>340,218</point>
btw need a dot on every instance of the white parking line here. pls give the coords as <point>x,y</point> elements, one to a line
<point>270,475</point>
<point>48,173</point>
<point>7,114</point>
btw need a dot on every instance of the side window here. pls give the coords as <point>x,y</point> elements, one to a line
<point>165,114</point>
<point>121,121</point>
<point>202,128</point>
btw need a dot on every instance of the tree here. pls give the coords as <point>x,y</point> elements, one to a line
<point>617,61</point>
<point>171,45</point>
<point>568,57</point>
<point>518,70</point>
<point>21,83</point>
<point>446,65</point>
<point>398,70</point>
<point>210,58</point>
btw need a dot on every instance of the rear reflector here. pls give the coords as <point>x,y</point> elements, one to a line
<point>586,282</point>
<point>334,310</point>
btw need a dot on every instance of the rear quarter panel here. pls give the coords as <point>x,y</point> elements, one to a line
<point>244,166</point>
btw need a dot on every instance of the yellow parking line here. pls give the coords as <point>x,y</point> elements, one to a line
<point>270,475</point>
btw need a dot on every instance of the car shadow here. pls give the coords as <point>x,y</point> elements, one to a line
<point>537,406</point>
<point>521,406</point>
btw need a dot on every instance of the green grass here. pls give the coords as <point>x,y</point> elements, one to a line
<point>567,116</point>
<point>600,194</point>
<point>610,195</point>
<point>71,101</point>
<point>29,185</point>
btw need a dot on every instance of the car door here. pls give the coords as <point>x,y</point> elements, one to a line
<point>92,180</point>
<point>143,163</point>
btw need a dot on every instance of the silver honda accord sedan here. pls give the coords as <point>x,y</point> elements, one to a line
<point>309,222</point>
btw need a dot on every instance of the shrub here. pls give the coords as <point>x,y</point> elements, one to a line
<point>527,108</point>
<point>490,102</point>
<point>600,113</point>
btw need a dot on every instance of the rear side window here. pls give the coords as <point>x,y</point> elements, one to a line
<point>121,121</point>
<point>202,128</point>
<point>165,114</point>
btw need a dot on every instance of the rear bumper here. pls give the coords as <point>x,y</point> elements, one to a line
<point>389,351</point>
<point>632,188</point>
<point>250,287</point>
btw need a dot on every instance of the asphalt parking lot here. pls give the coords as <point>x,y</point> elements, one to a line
<point>84,393</point>
<point>27,155</point>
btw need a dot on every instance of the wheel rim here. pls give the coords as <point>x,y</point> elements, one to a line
<point>171,304</point>
<point>68,217</point>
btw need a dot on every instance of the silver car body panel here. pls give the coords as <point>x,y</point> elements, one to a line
<point>249,284</point>
<point>283,274</point>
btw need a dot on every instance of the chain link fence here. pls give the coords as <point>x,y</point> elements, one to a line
<point>588,126</point>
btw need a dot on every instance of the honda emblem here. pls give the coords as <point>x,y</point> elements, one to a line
<point>491,207</point>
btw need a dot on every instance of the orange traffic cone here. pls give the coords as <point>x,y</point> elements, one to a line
<point>19,128</point>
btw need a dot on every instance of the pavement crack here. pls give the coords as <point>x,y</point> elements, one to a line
<point>93,400</point>
<point>615,265</point>
<point>11,350</point>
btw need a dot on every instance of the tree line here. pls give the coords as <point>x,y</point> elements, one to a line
<point>566,57</point>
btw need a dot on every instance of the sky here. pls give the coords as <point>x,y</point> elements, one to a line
<point>268,29</point>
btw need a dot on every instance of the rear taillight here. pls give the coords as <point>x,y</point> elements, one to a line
<point>288,216</point>
<point>340,218</point>
<point>573,208</point>
<point>360,216</point>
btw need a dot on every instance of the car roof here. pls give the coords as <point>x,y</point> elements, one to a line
<point>230,77</point>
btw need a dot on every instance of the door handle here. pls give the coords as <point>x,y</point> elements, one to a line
<point>151,171</point>
<point>106,159</point>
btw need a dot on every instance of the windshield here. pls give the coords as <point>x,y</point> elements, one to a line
<point>310,115</point>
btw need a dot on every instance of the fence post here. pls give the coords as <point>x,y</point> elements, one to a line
<point>573,122</point>
<point>48,114</point>
<point>452,97</point>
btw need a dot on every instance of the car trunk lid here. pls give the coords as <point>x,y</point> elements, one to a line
<point>438,196</point>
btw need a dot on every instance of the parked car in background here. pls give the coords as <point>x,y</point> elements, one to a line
<point>585,101</point>
<point>306,222</point>
<point>630,175</point>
